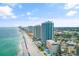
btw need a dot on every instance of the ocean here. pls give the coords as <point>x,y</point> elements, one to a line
<point>9,40</point>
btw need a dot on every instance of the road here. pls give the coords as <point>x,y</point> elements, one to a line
<point>30,48</point>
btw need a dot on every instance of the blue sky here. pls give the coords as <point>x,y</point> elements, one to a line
<point>27,14</point>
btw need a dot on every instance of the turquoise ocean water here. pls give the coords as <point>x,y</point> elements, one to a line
<point>9,39</point>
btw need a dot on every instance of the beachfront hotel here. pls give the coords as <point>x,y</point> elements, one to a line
<point>47,31</point>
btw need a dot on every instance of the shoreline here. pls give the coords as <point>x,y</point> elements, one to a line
<point>21,45</point>
<point>26,46</point>
<point>19,48</point>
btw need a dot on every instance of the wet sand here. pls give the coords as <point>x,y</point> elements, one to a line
<point>22,48</point>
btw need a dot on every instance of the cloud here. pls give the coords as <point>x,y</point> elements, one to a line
<point>73,5</point>
<point>13,16</point>
<point>6,11</point>
<point>28,13</point>
<point>71,13</point>
<point>70,5</point>
<point>77,7</point>
<point>11,4</point>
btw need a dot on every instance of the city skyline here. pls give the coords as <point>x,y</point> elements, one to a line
<point>27,14</point>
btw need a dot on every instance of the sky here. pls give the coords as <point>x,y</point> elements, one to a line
<point>30,14</point>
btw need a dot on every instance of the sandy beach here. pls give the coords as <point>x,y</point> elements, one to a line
<point>27,46</point>
<point>22,48</point>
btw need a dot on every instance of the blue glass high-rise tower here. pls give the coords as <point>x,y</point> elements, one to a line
<point>47,31</point>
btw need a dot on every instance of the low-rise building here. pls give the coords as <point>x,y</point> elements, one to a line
<point>54,47</point>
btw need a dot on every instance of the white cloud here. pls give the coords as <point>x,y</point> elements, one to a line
<point>70,5</point>
<point>6,11</point>
<point>71,13</point>
<point>11,4</point>
<point>77,7</point>
<point>13,16</point>
<point>28,13</point>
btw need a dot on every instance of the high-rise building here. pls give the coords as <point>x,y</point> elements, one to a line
<point>47,31</point>
<point>37,31</point>
<point>30,29</point>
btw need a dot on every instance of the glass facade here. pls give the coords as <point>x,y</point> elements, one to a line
<point>47,31</point>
